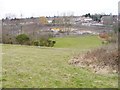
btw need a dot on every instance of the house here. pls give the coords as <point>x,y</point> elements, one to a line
<point>86,21</point>
<point>107,20</point>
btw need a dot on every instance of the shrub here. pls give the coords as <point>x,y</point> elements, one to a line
<point>36,43</point>
<point>44,42</point>
<point>47,43</point>
<point>52,43</point>
<point>104,58</point>
<point>22,39</point>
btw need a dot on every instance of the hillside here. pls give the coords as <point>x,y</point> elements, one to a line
<point>42,67</point>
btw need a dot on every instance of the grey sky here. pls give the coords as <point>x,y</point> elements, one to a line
<point>54,7</point>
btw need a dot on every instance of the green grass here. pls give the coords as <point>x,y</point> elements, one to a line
<point>83,42</point>
<point>33,67</point>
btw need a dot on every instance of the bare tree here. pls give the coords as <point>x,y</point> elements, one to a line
<point>67,19</point>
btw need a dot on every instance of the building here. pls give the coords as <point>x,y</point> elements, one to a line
<point>107,20</point>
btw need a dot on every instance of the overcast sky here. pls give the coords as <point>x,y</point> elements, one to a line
<point>30,8</point>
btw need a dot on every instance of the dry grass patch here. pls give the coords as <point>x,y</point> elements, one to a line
<point>101,60</point>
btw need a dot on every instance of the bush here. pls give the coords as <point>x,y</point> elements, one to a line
<point>52,43</point>
<point>105,58</point>
<point>22,39</point>
<point>44,42</point>
<point>47,42</point>
<point>36,43</point>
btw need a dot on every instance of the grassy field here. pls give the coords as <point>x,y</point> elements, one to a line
<point>81,42</point>
<point>40,67</point>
